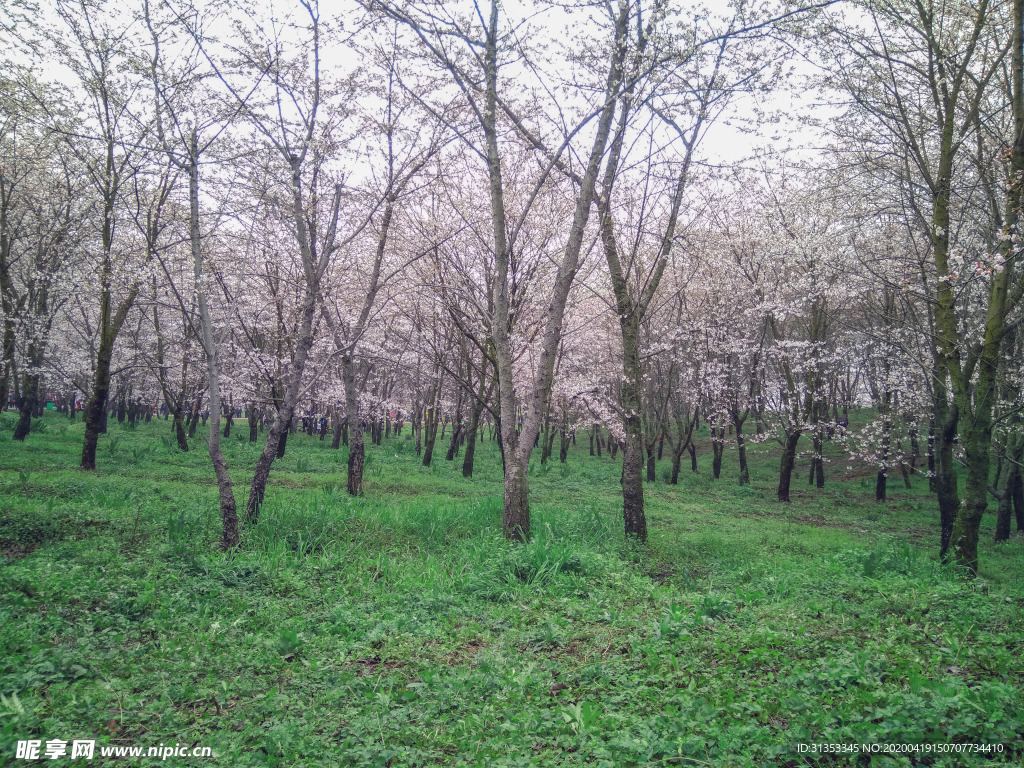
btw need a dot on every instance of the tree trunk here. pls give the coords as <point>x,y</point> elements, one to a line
<point>717,445</point>
<point>1004,495</point>
<point>883,454</point>
<point>179,430</point>
<point>95,409</point>
<point>632,481</point>
<point>741,448</point>
<point>1018,501</point>
<point>946,484</point>
<point>282,443</point>
<point>453,446</point>
<point>335,429</point>
<point>467,461</point>
<point>29,396</point>
<point>417,427</point>
<point>356,445</point>
<point>428,440</point>
<point>819,459</point>
<point>516,516</point>
<point>430,426</point>
<point>253,423</point>
<point>786,464</point>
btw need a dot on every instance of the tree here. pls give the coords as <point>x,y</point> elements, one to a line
<point>476,76</point>
<point>41,211</point>
<point>109,142</point>
<point>297,109</point>
<point>181,124</point>
<point>402,164</point>
<point>923,79</point>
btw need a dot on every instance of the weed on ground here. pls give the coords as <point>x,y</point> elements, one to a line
<point>399,629</point>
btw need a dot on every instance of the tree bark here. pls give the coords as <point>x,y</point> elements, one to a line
<point>282,443</point>
<point>356,447</point>
<point>717,424</point>
<point>335,429</point>
<point>178,425</point>
<point>1018,501</point>
<point>741,446</point>
<point>946,482</point>
<point>1004,495</point>
<point>787,462</point>
<point>26,406</point>
<point>883,450</point>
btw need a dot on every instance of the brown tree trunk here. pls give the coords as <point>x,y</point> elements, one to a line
<point>282,443</point>
<point>95,409</point>
<point>741,448</point>
<point>430,426</point>
<point>786,464</point>
<point>632,482</point>
<point>467,461</point>
<point>946,485</point>
<point>717,445</point>
<point>1004,496</point>
<point>179,430</point>
<point>335,429</point>
<point>1018,501</point>
<point>29,396</point>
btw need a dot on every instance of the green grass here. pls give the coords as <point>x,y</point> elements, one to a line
<point>399,629</point>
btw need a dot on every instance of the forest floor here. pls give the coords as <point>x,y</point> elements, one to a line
<point>398,629</point>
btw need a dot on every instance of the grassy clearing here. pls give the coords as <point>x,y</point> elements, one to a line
<point>399,629</point>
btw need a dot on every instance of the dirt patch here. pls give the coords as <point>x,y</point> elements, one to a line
<point>374,665</point>
<point>817,521</point>
<point>465,653</point>
<point>15,550</point>
<point>914,532</point>
<point>661,574</point>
